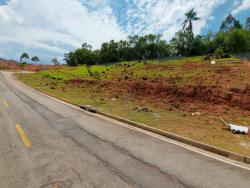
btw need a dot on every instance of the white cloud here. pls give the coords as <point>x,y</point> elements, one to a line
<point>53,27</point>
<point>56,25</point>
<point>240,6</point>
<point>166,16</point>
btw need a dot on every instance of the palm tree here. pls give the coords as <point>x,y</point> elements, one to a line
<point>187,29</point>
<point>24,56</point>
<point>191,16</point>
<point>35,59</point>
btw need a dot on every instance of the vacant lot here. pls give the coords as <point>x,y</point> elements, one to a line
<point>163,94</point>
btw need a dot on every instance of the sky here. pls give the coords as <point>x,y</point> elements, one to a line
<point>50,28</point>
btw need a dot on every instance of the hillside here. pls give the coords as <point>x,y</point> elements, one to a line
<point>13,65</point>
<point>8,64</point>
<point>183,96</point>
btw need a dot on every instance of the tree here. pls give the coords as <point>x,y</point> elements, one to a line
<point>124,49</point>
<point>208,43</point>
<point>187,24</point>
<point>188,27</point>
<point>35,59</point>
<point>163,49</point>
<point>238,40</point>
<point>86,46</point>
<point>152,46</point>
<point>134,47</point>
<point>84,55</point>
<point>229,24</point>
<point>109,52</point>
<point>198,47</point>
<point>247,25</point>
<point>70,59</point>
<point>219,52</point>
<point>22,63</point>
<point>24,56</point>
<point>180,44</point>
<point>55,61</point>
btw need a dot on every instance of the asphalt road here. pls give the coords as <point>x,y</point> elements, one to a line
<point>46,143</point>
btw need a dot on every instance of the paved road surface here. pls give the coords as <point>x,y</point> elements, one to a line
<point>45,143</point>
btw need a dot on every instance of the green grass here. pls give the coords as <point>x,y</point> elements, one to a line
<point>135,67</point>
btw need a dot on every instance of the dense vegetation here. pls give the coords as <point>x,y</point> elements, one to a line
<point>231,38</point>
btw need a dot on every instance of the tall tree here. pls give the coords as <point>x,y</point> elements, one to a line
<point>238,40</point>
<point>180,44</point>
<point>188,27</point>
<point>24,57</point>
<point>188,23</point>
<point>134,47</point>
<point>109,52</point>
<point>247,25</point>
<point>86,46</point>
<point>55,61</point>
<point>35,59</point>
<point>229,24</point>
<point>208,41</point>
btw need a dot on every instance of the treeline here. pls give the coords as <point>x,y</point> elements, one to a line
<point>25,57</point>
<point>231,38</point>
<point>136,47</point>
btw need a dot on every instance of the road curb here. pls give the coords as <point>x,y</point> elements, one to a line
<point>224,153</point>
<point>196,144</point>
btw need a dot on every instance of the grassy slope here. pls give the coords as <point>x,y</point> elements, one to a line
<point>205,128</point>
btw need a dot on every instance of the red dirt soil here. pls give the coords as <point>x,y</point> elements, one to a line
<point>213,98</point>
<point>183,97</point>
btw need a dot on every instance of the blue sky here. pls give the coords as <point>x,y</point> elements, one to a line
<point>50,28</point>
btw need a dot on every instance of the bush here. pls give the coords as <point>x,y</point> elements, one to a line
<point>219,51</point>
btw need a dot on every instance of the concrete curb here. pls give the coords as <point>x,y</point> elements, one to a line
<point>196,144</point>
<point>225,153</point>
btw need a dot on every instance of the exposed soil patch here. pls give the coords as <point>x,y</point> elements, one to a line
<point>162,92</point>
<point>190,66</point>
<point>213,88</point>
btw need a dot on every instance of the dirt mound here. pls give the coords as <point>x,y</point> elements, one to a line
<point>156,91</point>
<point>190,86</point>
<point>5,64</point>
<point>193,93</point>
